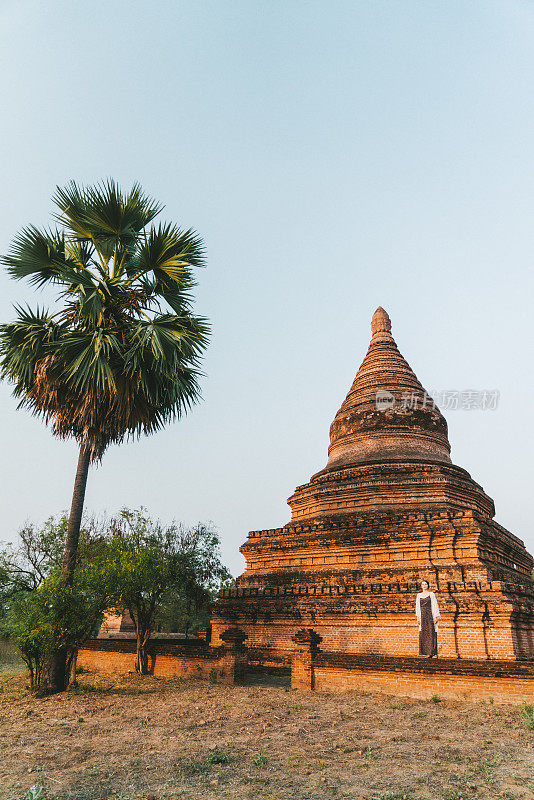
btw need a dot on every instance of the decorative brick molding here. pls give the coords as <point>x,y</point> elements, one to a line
<point>155,646</point>
<point>234,638</point>
<point>307,639</point>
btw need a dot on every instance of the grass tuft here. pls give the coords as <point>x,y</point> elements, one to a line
<point>260,760</point>
<point>219,757</point>
<point>82,688</point>
<point>36,792</point>
<point>528,716</point>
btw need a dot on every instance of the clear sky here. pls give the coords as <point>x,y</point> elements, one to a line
<point>334,156</point>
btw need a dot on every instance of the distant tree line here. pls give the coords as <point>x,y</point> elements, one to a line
<point>166,576</point>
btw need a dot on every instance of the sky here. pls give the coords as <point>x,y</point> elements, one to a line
<point>334,156</point>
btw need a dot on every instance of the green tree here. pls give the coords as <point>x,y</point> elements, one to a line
<point>36,555</point>
<point>119,356</point>
<point>161,568</point>
<point>43,614</point>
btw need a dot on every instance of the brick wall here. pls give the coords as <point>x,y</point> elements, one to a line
<point>449,678</point>
<point>500,682</point>
<point>166,659</point>
<point>468,636</point>
<point>408,684</point>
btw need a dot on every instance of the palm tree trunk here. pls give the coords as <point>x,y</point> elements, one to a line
<point>54,676</point>
<point>75,517</point>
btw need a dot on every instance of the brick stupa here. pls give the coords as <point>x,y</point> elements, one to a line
<point>388,509</point>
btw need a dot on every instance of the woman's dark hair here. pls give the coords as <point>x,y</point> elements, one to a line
<point>424,580</point>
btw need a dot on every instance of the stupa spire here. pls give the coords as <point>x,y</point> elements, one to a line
<point>381,323</point>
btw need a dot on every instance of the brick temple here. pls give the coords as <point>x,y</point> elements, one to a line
<point>389,509</point>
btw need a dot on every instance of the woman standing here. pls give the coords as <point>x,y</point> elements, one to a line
<point>427,613</point>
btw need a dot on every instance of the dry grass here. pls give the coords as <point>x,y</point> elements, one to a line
<point>152,738</point>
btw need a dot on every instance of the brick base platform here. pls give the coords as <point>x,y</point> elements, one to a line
<point>312,669</point>
<point>449,678</point>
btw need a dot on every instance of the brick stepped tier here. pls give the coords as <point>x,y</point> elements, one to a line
<point>388,509</point>
<point>369,486</point>
<point>427,666</point>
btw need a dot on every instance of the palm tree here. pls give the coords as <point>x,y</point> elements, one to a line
<point>119,356</point>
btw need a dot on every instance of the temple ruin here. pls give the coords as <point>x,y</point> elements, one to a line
<point>388,509</point>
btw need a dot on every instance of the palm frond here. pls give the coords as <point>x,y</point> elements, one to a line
<point>80,252</point>
<point>111,219</point>
<point>114,362</point>
<point>169,338</point>
<point>87,359</point>
<point>72,203</point>
<point>169,253</point>
<point>24,343</point>
<point>89,307</point>
<point>37,255</point>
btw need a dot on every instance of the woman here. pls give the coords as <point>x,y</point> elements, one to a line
<point>427,613</point>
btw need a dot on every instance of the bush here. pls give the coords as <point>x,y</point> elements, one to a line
<point>41,614</point>
<point>54,618</point>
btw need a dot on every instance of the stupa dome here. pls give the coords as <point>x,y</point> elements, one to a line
<point>388,445</point>
<point>387,415</point>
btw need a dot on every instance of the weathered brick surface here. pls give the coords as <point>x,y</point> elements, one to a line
<point>167,659</point>
<point>468,679</point>
<point>407,684</point>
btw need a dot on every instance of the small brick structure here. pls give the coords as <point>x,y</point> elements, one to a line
<point>169,658</point>
<point>303,658</point>
<point>235,657</point>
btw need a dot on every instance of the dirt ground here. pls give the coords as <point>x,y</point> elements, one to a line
<point>132,737</point>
